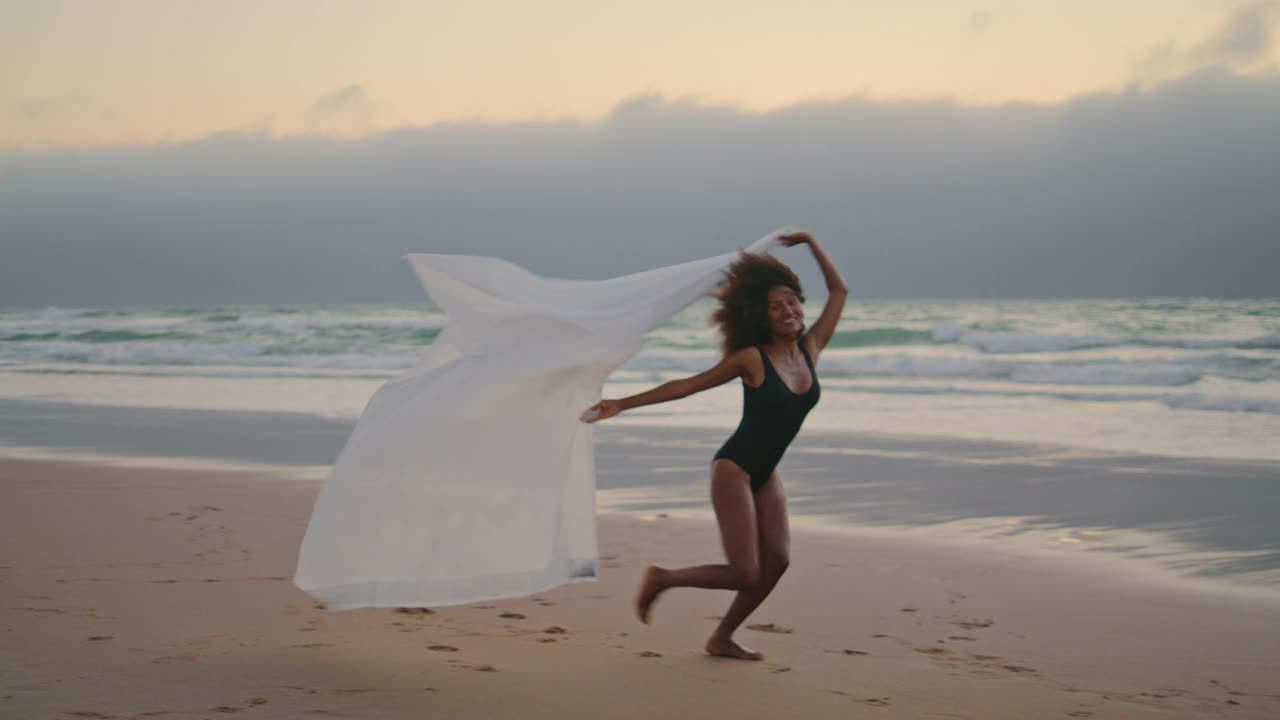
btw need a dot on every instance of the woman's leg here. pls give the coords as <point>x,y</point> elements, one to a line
<point>775,555</point>
<point>736,515</point>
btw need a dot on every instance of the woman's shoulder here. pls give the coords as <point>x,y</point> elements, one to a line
<point>746,356</point>
<point>809,346</point>
<point>750,363</point>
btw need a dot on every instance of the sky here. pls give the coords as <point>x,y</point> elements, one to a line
<point>159,152</point>
<point>92,72</point>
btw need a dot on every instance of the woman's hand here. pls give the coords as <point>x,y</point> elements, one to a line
<point>601,410</point>
<point>795,238</point>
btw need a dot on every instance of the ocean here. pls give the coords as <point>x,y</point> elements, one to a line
<point>1186,377</point>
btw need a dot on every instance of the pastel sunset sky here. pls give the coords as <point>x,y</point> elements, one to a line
<point>142,71</point>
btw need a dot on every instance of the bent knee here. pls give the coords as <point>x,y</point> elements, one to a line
<point>746,577</point>
<point>774,565</point>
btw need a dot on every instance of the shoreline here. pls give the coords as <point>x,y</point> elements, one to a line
<point>929,540</point>
<point>34,423</point>
<point>1175,521</point>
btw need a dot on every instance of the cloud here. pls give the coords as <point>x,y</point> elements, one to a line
<point>980,21</point>
<point>1244,38</point>
<point>39,109</point>
<point>39,121</point>
<point>36,108</point>
<point>1167,190</point>
<point>346,111</point>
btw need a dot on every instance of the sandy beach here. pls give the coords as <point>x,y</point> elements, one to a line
<point>134,592</point>
<point>447,301</point>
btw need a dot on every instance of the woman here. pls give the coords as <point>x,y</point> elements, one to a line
<point>761,320</point>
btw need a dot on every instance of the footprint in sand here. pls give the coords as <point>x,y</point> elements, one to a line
<point>770,627</point>
<point>415,611</point>
<point>964,638</point>
<point>933,651</point>
<point>994,659</point>
<point>1223,687</point>
<point>101,637</point>
<point>1165,693</point>
<point>649,653</point>
<point>554,630</point>
<point>968,623</point>
<point>907,610</point>
<point>546,640</point>
<point>878,702</point>
<point>196,513</point>
<point>481,668</point>
<point>442,648</point>
<point>512,616</point>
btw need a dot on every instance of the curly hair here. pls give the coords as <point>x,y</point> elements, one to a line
<point>743,314</point>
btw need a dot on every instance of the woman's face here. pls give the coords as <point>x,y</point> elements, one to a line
<point>786,314</point>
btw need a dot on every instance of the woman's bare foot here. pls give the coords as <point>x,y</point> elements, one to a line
<point>650,588</point>
<point>724,647</point>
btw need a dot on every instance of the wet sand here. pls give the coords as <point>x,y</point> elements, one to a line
<point>1211,521</point>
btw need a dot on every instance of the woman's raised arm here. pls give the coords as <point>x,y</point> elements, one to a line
<point>821,332</point>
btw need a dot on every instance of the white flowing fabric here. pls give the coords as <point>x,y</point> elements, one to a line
<point>471,477</point>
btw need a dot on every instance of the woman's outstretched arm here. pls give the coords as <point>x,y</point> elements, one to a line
<point>733,365</point>
<point>820,333</point>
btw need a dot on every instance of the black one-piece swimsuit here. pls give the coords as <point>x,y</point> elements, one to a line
<point>771,417</point>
